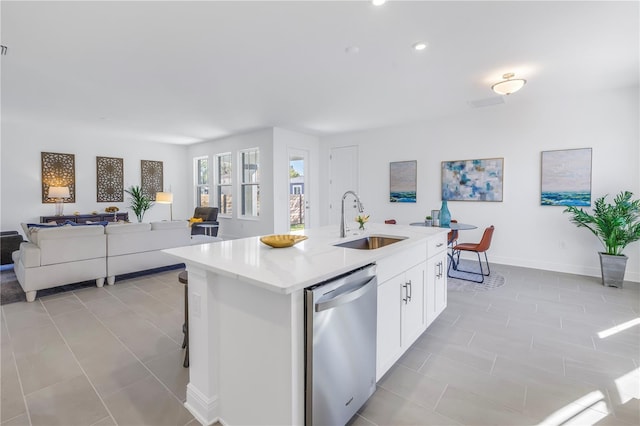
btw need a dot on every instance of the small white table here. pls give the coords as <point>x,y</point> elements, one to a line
<point>208,228</point>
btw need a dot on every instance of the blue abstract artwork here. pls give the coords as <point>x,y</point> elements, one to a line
<point>402,181</point>
<point>566,177</point>
<point>472,180</point>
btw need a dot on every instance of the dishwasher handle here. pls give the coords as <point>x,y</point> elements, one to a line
<point>345,298</point>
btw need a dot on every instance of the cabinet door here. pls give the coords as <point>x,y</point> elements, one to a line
<point>413,315</point>
<point>430,290</point>
<point>388,333</point>
<point>436,286</point>
<point>440,284</point>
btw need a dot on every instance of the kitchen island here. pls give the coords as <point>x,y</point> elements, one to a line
<point>246,319</point>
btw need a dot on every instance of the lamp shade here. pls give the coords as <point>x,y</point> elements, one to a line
<point>509,85</point>
<point>59,192</point>
<point>164,197</point>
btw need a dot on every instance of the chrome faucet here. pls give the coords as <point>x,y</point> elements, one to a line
<point>360,209</point>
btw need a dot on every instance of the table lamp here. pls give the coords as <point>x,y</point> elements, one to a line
<point>165,198</point>
<point>59,192</point>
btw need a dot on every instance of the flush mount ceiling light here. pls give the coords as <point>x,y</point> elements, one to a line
<point>419,45</point>
<point>509,85</point>
<point>378,2</point>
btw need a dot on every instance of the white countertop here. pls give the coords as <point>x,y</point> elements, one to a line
<point>285,270</point>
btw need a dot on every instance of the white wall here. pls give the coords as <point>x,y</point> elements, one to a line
<point>234,226</point>
<point>20,149</point>
<point>527,234</point>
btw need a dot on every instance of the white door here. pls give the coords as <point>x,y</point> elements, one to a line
<point>343,176</point>
<point>298,199</point>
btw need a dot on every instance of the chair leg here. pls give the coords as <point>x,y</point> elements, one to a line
<point>488,267</point>
<point>481,273</point>
<point>185,343</point>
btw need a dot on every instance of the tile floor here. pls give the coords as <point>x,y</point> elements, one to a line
<point>525,353</point>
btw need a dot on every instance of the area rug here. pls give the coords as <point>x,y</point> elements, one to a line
<point>11,292</point>
<point>455,283</point>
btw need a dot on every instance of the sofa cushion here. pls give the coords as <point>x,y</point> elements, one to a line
<point>176,224</point>
<point>140,242</point>
<point>27,228</point>
<point>37,235</point>
<point>127,228</point>
<point>62,244</point>
<point>87,223</point>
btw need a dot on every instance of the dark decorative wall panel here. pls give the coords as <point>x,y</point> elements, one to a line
<point>151,178</point>
<point>58,170</point>
<point>109,179</point>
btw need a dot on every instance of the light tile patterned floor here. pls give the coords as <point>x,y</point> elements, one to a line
<point>525,353</point>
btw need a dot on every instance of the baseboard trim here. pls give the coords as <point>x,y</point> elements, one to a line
<point>203,408</point>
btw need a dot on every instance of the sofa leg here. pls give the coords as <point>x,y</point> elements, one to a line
<point>31,295</point>
<point>111,280</point>
<point>99,282</point>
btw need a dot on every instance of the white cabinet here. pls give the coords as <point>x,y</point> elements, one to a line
<point>401,315</point>
<point>412,303</point>
<point>436,286</point>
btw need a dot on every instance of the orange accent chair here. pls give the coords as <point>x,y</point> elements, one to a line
<point>478,248</point>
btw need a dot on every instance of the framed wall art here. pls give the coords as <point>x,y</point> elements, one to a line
<point>151,178</point>
<point>58,170</point>
<point>566,177</point>
<point>109,179</point>
<point>473,180</point>
<point>402,181</point>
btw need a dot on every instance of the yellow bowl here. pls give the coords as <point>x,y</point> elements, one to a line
<point>284,240</point>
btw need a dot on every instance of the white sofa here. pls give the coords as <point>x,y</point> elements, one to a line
<point>60,255</point>
<point>67,254</point>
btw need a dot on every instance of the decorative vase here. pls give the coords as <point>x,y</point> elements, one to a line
<point>361,226</point>
<point>445,215</point>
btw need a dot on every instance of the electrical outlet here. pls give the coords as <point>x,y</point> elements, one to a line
<point>195,305</point>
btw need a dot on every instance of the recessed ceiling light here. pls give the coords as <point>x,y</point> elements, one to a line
<point>378,2</point>
<point>419,45</point>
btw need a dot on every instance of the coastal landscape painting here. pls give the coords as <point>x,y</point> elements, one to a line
<point>566,177</point>
<point>402,181</point>
<point>473,180</point>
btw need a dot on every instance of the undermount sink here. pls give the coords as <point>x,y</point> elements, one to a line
<point>370,243</point>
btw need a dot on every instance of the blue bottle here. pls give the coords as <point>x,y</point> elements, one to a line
<point>445,215</point>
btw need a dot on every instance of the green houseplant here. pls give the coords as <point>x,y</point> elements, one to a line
<point>140,203</point>
<point>616,225</point>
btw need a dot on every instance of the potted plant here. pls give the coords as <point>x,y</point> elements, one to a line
<point>140,203</point>
<point>428,221</point>
<point>616,225</point>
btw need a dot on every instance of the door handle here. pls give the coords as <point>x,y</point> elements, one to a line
<point>408,292</point>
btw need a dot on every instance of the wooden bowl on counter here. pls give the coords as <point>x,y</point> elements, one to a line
<point>282,240</point>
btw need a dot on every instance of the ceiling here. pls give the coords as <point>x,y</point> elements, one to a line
<point>183,72</point>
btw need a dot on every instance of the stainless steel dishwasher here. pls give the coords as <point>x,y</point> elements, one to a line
<point>340,346</point>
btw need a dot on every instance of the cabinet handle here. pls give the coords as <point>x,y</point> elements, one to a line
<point>410,290</point>
<point>439,273</point>
<point>406,293</point>
<point>439,245</point>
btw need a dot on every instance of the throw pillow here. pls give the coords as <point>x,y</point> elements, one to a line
<point>195,220</point>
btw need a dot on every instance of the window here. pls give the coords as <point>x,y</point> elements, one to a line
<point>201,167</point>
<point>223,183</point>
<point>250,182</point>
